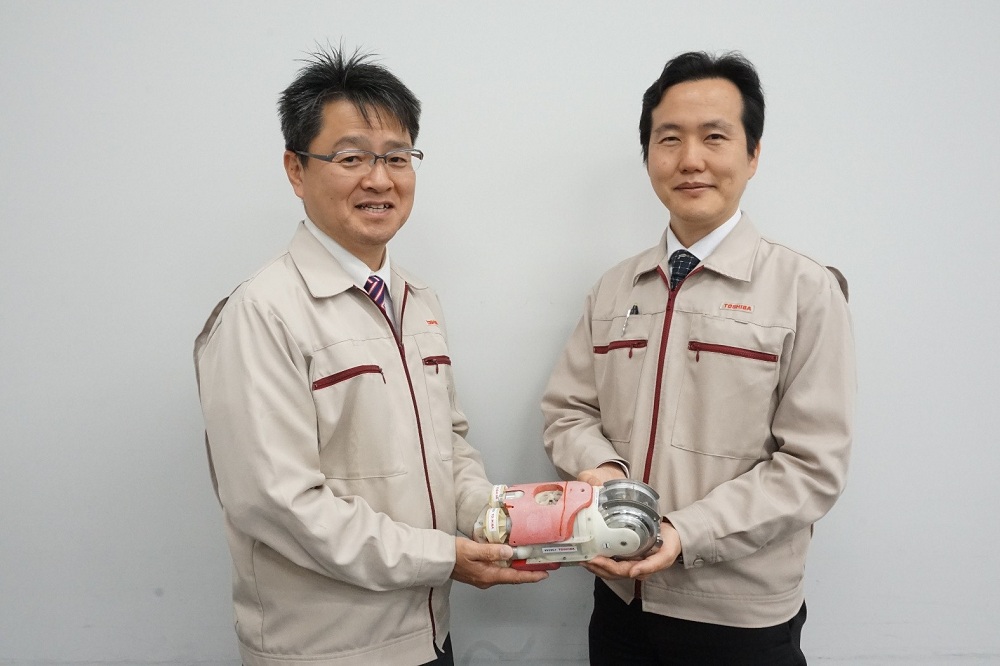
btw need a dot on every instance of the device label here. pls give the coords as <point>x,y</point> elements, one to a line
<point>551,550</point>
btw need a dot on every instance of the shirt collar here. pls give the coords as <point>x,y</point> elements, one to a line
<point>707,245</point>
<point>356,269</point>
<point>732,253</point>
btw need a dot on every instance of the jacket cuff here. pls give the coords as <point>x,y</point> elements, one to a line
<point>617,461</point>
<point>596,452</point>
<point>438,558</point>
<point>697,546</point>
<point>470,506</point>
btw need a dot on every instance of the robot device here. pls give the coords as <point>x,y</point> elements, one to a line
<point>556,523</point>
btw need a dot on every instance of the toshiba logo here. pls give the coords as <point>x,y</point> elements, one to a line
<point>742,307</point>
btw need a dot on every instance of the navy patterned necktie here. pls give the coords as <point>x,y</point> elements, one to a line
<point>681,263</point>
<point>375,288</point>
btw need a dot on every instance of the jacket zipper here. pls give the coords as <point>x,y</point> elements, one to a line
<point>667,316</point>
<point>699,347</point>
<point>661,359</point>
<point>344,375</point>
<point>437,362</point>
<point>620,344</point>
<point>416,412</point>
<point>420,435</point>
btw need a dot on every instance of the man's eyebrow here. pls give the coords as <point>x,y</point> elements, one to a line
<point>351,141</point>
<point>718,124</point>
<point>666,127</point>
<point>363,143</point>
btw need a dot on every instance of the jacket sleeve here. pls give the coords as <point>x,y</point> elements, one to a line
<point>472,487</point>
<point>812,426</point>
<point>261,426</point>
<point>573,437</point>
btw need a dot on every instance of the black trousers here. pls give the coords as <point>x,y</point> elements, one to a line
<point>444,657</point>
<point>623,633</point>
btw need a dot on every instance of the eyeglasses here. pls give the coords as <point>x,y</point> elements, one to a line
<point>361,162</point>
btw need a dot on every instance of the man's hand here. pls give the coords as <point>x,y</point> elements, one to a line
<point>661,558</point>
<point>607,472</point>
<point>483,565</point>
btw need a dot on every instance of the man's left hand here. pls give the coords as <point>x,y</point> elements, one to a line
<point>598,476</point>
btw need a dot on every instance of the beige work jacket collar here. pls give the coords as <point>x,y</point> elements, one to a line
<point>733,258</point>
<point>325,277</point>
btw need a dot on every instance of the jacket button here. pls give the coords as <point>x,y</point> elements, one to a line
<point>698,562</point>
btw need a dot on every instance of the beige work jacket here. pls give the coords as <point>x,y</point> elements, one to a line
<point>339,458</point>
<point>733,396</point>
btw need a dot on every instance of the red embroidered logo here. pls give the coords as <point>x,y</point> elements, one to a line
<point>432,322</point>
<point>741,307</point>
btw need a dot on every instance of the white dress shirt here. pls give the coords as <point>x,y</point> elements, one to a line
<point>706,245</point>
<point>358,270</point>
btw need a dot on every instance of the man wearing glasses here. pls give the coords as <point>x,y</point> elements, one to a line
<point>717,366</point>
<point>336,444</point>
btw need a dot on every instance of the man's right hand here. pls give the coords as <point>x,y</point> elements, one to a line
<point>484,565</point>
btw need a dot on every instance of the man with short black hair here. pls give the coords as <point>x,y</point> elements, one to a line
<point>718,367</point>
<point>337,447</point>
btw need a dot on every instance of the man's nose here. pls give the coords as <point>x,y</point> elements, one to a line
<point>378,176</point>
<point>692,157</point>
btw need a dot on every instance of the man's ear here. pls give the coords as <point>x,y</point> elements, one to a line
<point>294,169</point>
<point>754,158</point>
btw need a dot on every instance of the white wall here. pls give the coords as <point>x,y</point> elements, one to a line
<point>140,162</point>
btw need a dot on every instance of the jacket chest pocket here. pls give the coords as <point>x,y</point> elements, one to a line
<point>351,396</point>
<point>727,396</point>
<point>438,381</point>
<point>618,364</point>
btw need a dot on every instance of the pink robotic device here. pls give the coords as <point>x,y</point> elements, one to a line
<point>568,522</point>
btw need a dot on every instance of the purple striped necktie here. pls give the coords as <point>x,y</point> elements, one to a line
<point>375,288</point>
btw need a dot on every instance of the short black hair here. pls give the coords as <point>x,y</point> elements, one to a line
<point>329,75</point>
<point>699,65</point>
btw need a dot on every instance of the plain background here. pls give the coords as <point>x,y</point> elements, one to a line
<point>140,162</point>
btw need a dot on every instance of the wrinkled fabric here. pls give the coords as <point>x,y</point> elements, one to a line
<point>733,396</point>
<point>339,457</point>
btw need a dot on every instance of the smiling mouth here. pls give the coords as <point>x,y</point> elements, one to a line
<point>375,208</point>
